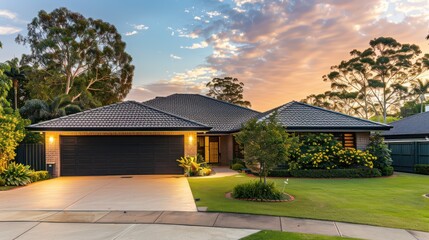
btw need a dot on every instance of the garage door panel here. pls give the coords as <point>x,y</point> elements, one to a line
<point>120,155</point>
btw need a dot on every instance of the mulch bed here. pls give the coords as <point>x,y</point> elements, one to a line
<point>291,198</point>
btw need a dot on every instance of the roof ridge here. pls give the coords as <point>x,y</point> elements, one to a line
<point>79,113</point>
<point>268,113</point>
<point>412,116</point>
<point>168,113</point>
<point>339,113</point>
<point>217,100</point>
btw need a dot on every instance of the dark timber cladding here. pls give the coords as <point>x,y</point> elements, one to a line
<point>120,155</point>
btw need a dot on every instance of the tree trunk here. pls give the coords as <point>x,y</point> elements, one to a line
<point>15,88</point>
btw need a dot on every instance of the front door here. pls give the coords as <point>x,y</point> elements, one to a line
<point>214,149</point>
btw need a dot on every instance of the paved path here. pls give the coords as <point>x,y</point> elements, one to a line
<point>103,193</point>
<point>121,221</point>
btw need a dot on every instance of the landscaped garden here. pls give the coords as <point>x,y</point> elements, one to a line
<point>274,235</point>
<point>395,201</point>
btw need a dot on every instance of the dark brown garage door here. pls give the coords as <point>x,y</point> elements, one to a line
<point>114,155</point>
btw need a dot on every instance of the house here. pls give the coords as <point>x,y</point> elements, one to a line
<point>409,141</point>
<point>147,138</point>
<point>413,128</point>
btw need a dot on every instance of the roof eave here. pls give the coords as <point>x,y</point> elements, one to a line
<point>342,128</point>
<point>113,129</point>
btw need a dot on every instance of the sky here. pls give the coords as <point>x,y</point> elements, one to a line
<point>279,49</point>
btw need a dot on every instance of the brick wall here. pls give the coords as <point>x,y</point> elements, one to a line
<point>53,143</point>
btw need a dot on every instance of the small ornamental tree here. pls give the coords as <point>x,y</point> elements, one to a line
<point>265,143</point>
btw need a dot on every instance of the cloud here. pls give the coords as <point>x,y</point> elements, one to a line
<point>197,18</point>
<point>141,27</point>
<point>281,49</point>
<point>213,14</point>
<point>9,30</point>
<point>202,44</point>
<point>131,33</point>
<point>175,57</point>
<point>7,14</point>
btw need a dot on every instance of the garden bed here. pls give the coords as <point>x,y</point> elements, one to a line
<point>288,198</point>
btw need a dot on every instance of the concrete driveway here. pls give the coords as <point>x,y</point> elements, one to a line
<point>133,193</point>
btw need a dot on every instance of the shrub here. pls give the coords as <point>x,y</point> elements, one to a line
<point>387,171</point>
<point>192,168</point>
<point>2,182</point>
<point>350,157</point>
<point>422,168</point>
<point>257,190</point>
<point>322,151</point>
<point>16,174</point>
<point>336,173</point>
<point>237,166</point>
<point>238,160</point>
<point>278,172</point>
<point>381,151</point>
<point>39,176</point>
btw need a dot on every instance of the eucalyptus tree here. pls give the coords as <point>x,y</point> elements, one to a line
<point>380,75</point>
<point>81,57</point>
<point>420,88</point>
<point>227,89</point>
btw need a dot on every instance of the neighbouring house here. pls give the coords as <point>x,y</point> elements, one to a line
<point>409,141</point>
<point>412,128</point>
<point>147,138</point>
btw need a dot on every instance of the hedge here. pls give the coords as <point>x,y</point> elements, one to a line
<point>279,172</point>
<point>337,173</point>
<point>422,168</point>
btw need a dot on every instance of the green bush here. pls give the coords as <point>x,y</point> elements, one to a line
<point>322,151</point>
<point>2,182</point>
<point>16,174</point>
<point>337,173</point>
<point>381,151</point>
<point>238,160</point>
<point>278,172</point>
<point>237,166</point>
<point>387,171</point>
<point>422,168</point>
<point>257,190</point>
<point>39,176</point>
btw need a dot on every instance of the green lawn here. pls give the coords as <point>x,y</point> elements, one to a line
<point>275,235</point>
<point>395,201</point>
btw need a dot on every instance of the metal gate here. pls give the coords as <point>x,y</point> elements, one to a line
<point>406,154</point>
<point>32,154</point>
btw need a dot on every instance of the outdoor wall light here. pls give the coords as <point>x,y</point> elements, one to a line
<point>51,139</point>
<point>191,138</point>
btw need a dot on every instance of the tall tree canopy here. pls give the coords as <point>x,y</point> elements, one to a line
<point>378,80</point>
<point>12,126</point>
<point>81,57</point>
<point>227,89</point>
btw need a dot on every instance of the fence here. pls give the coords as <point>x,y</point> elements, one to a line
<point>406,154</point>
<point>32,154</point>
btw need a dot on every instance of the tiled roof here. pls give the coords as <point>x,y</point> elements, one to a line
<point>414,125</point>
<point>301,116</point>
<point>222,116</point>
<point>121,116</point>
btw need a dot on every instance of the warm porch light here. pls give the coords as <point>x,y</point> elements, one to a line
<point>51,139</point>
<point>191,138</point>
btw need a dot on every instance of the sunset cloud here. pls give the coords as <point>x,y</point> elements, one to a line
<point>283,49</point>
